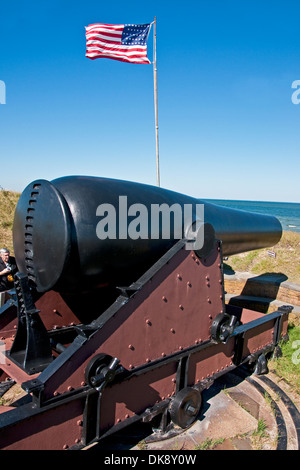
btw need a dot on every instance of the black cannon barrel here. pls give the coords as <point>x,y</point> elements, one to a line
<point>60,226</point>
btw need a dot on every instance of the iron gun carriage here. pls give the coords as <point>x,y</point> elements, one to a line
<point>114,319</point>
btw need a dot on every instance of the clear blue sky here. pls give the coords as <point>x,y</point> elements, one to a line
<point>227,126</point>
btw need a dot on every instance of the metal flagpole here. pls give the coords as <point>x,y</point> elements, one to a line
<point>155,106</point>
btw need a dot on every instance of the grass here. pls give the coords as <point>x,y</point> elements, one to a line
<point>209,444</point>
<point>261,429</point>
<point>8,202</point>
<point>288,365</point>
<point>259,435</point>
<point>286,260</point>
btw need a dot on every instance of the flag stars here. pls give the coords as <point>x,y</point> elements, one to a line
<point>135,34</point>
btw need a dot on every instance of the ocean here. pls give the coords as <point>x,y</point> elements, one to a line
<point>287,213</point>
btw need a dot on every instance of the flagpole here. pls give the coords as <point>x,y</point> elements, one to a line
<point>155,106</point>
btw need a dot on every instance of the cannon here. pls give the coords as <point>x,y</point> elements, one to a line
<point>119,312</point>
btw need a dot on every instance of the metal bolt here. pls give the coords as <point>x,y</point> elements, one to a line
<point>191,410</point>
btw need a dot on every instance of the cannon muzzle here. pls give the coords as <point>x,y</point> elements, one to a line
<point>77,233</point>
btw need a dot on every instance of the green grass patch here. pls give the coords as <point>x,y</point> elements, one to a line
<point>8,202</point>
<point>288,365</point>
<point>285,261</point>
<point>209,444</point>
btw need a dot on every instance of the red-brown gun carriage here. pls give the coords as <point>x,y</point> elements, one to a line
<point>101,334</point>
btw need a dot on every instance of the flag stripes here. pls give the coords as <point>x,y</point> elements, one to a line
<point>127,43</point>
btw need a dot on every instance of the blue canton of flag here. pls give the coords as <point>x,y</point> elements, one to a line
<point>135,34</point>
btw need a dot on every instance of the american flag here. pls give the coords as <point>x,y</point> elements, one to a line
<point>125,42</point>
